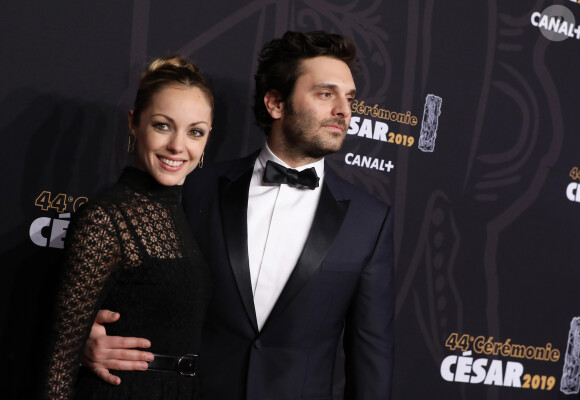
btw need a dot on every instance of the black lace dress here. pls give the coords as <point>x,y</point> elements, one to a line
<point>131,251</point>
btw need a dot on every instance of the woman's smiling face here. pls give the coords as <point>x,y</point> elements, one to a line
<point>172,133</point>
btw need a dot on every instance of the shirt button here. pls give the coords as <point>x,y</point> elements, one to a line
<point>258,344</point>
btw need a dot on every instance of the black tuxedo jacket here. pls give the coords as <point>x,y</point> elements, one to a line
<point>343,280</point>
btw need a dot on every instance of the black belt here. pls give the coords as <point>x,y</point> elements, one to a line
<point>185,365</point>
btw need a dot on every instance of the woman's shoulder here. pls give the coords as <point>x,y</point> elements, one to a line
<point>105,203</point>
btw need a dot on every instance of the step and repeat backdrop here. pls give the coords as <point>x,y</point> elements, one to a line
<point>467,121</point>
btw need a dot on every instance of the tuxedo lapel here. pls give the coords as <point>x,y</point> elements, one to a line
<point>328,218</point>
<point>234,208</point>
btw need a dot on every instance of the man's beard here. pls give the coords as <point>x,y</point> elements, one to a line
<point>300,130</point>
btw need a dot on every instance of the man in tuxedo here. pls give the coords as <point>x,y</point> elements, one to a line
<point>298,255</point>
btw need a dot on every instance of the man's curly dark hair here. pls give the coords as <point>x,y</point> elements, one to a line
<point>280,65</point>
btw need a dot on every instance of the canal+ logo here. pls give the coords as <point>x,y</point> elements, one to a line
<point>556,23</point>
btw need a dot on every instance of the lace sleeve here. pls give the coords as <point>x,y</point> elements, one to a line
<point>92,252</point>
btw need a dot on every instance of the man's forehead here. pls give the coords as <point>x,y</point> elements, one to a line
<point>310,62</point>
<point>325,70</point>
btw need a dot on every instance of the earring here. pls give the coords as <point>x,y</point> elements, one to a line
<point>131,143</point>
<point>200,163</point>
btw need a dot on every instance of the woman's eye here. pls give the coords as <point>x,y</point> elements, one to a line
<point>161,126</point>
<point>196,132</point>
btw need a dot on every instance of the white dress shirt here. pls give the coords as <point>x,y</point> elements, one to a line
<point>279,219</point>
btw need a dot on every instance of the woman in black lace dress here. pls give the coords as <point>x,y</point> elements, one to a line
<point>130,249</point>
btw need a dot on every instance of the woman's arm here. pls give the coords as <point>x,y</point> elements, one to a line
<point>92,252</point>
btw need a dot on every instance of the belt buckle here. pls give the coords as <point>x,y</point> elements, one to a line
<point>186,365</point>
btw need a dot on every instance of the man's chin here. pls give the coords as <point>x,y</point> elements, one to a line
<point>325,151</point>
<point>336,144</point>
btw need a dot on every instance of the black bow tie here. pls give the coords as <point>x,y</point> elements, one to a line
<point>276,173</point>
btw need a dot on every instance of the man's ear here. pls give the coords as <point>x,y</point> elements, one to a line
<point>274,104</point>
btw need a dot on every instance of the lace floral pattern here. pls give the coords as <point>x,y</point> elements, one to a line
<point>130,251</point>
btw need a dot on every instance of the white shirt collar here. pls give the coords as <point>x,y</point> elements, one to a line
<point>267,155</point>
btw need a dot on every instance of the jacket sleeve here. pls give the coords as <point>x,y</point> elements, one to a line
<point>368,335</point>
